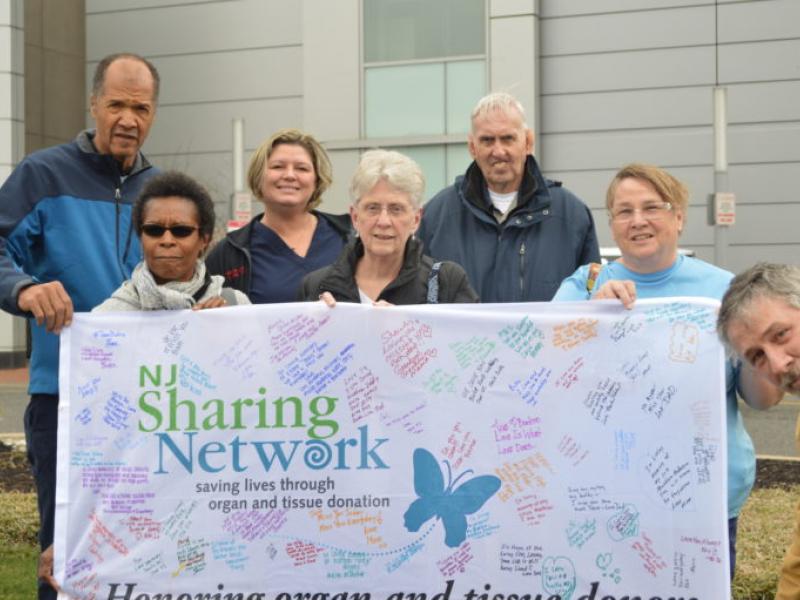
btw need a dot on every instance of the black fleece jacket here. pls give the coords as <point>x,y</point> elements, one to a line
<point>410,286</point>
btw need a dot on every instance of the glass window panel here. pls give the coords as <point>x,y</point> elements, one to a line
<point>416,29</point>
<point>466,84</point>
<point>405,100</point>
<point>458,159</point>
<point>431,160</point>
<point>464,27</point>
<point>400,30</point>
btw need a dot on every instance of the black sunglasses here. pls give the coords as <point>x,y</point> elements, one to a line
<point>179,231</point>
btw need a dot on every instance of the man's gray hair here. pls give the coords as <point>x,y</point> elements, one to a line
<point>768,280</point>
<point>498,101</point>
<point>99,78</point>
<point>398,170</point>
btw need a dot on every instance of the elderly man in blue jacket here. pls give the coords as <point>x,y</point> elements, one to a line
<point>66,244</point>
<point>516,233</point>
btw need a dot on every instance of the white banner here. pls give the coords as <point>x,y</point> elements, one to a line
<point>295,452</point>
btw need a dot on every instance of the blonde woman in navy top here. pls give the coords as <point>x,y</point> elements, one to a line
<point>268,258</point>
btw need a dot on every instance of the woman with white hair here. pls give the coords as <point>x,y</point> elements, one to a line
<point>385,264</point>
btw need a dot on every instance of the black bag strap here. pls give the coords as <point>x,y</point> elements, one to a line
<point>433,284</point>
<point>201,292</point>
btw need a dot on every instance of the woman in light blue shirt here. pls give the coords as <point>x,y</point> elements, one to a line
<point>647,213</point>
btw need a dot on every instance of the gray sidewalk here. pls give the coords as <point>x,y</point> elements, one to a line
<point>13,400</point>
<point>773,430</point>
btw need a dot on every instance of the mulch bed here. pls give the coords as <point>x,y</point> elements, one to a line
<point>777,473</point>
<point>15,474</point>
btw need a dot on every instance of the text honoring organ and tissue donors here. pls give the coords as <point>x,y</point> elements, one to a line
<point>539,452</point>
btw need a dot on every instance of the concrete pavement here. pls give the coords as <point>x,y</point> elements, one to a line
<point>773,430</point>
<point>13,399</point>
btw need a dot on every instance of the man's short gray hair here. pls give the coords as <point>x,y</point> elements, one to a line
<point>768,280</point>
<point>398,170</point>
<point>498,101</point>
<point>99,78</point>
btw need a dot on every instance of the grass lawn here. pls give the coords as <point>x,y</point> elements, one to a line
<point>19,553</point>
<point>17,571</point>
<point>765,527</point>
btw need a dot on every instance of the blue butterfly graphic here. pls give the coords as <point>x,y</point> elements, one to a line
<point>450,505</point>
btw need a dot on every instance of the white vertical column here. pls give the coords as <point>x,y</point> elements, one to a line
<point>238,154</point>
<point>721,183</point>
<point>12,85</point>
<point>332,86</point>
<point>514,54</point>
<point>12,135</point>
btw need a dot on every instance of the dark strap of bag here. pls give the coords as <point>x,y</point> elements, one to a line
<point>201,292</point>
<point>433,284</point>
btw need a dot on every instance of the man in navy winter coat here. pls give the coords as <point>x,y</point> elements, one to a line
<point>517,234</point>
<point>66,244</point>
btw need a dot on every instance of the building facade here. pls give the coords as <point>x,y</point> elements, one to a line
<point>604,82</point>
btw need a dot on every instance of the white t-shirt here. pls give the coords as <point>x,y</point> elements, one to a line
<point>502,202</point>
<point>364,298</point>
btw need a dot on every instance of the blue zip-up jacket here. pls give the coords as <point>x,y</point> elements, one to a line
<point>65,215</point>
<point>543,240</point>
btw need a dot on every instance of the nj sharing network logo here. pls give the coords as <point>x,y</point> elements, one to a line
<point>449,503</point>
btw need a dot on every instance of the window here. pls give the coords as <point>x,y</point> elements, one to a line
<point>441,163</point>
<point>424,70</point>
<point>397,30</point>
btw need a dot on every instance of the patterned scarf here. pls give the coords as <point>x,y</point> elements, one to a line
<point>143,293</point>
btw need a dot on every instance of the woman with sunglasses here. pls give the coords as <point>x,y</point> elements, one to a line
<point>174,218</point>
<point>647,212</point>
<point>268,258</point>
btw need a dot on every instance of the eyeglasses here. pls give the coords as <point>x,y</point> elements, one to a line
<point>650,212</point>
<point>373,209</point>
<point>178,231</point>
